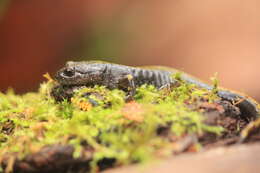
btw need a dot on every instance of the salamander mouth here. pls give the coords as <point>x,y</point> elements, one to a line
<point>72,85</point>
<point>75,85</point>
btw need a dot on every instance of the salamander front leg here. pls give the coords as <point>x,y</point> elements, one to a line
<point>127,84</point>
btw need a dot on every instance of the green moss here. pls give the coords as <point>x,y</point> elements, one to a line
<point>101,119</point>
<point>215,89</point>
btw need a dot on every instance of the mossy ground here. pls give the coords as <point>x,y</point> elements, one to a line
<point>100,120</point>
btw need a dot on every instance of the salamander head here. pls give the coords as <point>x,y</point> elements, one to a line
<point>81,73</point>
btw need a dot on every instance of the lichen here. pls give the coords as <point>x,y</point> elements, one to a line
<point>101,119</point>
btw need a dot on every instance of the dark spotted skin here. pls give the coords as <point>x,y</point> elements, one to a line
<point>111,75</point>
<point>90,73</point>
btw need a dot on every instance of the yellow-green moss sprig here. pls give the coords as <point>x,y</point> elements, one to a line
<point>96,116</point>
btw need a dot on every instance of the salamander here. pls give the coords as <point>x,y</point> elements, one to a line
<point>127,78</point>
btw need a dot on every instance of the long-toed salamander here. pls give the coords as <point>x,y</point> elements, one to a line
<point>90,73</point>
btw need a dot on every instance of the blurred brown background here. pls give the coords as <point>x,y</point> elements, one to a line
<point>199,37</point>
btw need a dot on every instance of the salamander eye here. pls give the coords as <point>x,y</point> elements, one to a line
<point>69,72</point>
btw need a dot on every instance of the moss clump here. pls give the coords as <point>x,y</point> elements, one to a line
<point>100,120</point>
